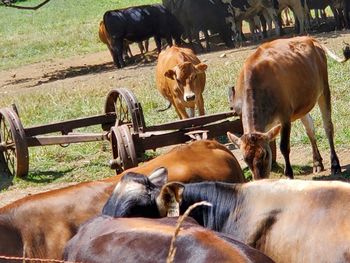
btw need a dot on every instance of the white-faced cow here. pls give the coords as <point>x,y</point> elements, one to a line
<point>105,239</point>
<point>292,221</point>
<point>180,78</point>
<point>140,23</point>
<point>278,84</point>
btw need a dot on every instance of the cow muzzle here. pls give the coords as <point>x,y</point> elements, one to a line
<point>189,97</point>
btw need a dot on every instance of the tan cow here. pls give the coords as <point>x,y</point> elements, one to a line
<point>279,83</point>
<point>180,78</point>
<point>40,225</point>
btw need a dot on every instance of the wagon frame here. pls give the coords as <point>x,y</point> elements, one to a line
<point>123,125</point>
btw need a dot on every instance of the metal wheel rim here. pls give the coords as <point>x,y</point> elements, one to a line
<point>129,145</point>
<point>126,107</point>
<point>118,149</point>
<point>14,148</point>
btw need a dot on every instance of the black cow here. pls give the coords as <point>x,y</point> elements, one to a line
<point>140,23</point>
<point>105,239</point>
<point>201,15</point>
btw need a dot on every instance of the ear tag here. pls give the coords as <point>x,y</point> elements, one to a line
<point>174,208</point>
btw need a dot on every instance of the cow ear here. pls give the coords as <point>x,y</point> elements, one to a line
<point>234,139</point>
<point>170,74</point>
<point>272,134</point>
<point>169,199</point>
<point>159,177</point>
<point>201,66</point>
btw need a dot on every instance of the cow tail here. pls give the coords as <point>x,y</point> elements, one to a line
<point>167,108</point>
<point>346,53</point>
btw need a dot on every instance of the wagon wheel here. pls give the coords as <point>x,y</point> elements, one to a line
<point>123,148</point>
<point>128,110</point>
<point>13,144</point>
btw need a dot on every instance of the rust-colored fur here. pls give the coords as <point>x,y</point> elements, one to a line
<point>44,222</point>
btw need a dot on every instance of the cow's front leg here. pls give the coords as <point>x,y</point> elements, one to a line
<point>120,48</point>
<point>158,41</point>
<point>180,109</point>
<point>285,148</point>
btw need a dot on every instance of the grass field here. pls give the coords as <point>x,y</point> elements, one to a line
<point>65,28</point>
<point>62,28</point>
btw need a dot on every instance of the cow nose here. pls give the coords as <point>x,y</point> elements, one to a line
<point>190,97</point>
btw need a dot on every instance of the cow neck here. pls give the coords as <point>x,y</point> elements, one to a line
<point>222,196</point>
<point>254,117</point>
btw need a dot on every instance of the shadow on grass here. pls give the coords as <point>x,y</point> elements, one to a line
<point>297,169</point>
<point>42,177</point>
<point>343,176</point>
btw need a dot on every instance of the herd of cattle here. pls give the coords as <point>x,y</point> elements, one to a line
<point>132,217</point>
<point>187,19</point>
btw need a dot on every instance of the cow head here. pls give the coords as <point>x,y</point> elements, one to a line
<point>256,150</point>
<point>138,195</point>
<point>185,75</point>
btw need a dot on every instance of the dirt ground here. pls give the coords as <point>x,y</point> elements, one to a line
<point>97,69</point>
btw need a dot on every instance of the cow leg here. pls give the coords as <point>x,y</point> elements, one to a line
<point>200,104</point>
<point>263,25</point>
<point>268,22</point>
<point>117,45</point>
<point>299,14</point>
<point>180,110</point>
<point>158,41</point>
<point>324,103</point>
<point>310,131</point>
<point>206,35</point>
<point>285,148</point>
<point>273,16</point>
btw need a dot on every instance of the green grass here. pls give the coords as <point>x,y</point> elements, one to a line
<point>62,28</point>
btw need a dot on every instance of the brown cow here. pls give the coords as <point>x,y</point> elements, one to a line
<point>41,224</point>
<point>291,221</point>
<point>106,239</point>
<point>180,78</point>
<point>280,83</point>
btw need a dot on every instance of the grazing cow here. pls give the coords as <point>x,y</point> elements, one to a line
<point>290,221</point>
<point>104,37</point>
<point>40,225</point>
<point>140,23</point>
<point>105,239</point>
<point>280,83</point>
<point>180,78</point>
<point>210,15</point>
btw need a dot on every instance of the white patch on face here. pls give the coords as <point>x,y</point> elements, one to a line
<point>128,188</point>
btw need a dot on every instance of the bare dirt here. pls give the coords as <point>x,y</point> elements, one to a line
<point>94,70</point>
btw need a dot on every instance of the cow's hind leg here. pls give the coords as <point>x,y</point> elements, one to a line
<point>326,110</point>
<point>285,148</point>
<point>310,131</point>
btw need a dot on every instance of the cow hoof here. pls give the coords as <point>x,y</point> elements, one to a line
<point>289,173</point>
<point>336,169</point>
<point>318,168</point>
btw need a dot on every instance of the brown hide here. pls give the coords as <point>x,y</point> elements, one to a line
<point>46,221</point>
<point>180,78</point>
<point>106,239</point>
<point>291,221</point>
<point>279,83</point>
